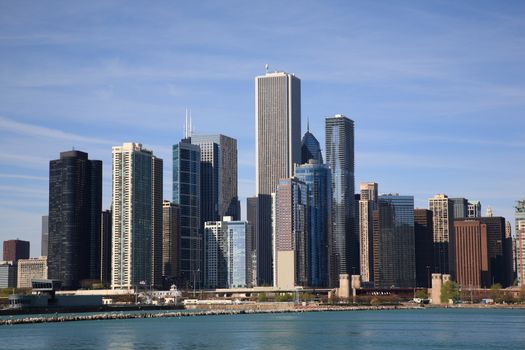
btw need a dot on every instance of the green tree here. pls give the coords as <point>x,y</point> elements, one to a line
<point>449,290</point>
<point>422,294</point>
<point>496,293</point>
<point>262,297</point>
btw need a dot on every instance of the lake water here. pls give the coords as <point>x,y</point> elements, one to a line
<point>397,329</point>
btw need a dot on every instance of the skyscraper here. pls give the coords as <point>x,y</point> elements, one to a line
<point>45,235</point>
<point>75,204</point>
<point>291,234</point>
<point>105,247</point>
<point>236,256</point>
<point>215,255</point>
<point>423,231</point>
<point>499,250</point>
<point>498,254</point>
<point>310,148</point>
<point>367,204</point>
<point>218,176</point>
<point>344,243</point>
<point>318,179</point>
<point>472,252</point>
<point>251,235</point>
<point>443,220</point>
<point>137,187</point>
<point>157,183</point>
<point>460,207</point>
<point>186,194</point>
<point>170,240</point>
<point>278,148</point>
<point>394,245</point>
<point>15,249</point>
<point>225,253</point>
<point>519,245</point>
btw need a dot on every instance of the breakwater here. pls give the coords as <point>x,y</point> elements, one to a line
<point>180,314</point>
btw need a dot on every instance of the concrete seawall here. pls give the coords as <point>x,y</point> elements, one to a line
<point>178,314</point>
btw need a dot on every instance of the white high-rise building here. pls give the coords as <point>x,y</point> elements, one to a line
<point>443,220</point>
<point>278,148</point>
<point>367,203</point>
<point>136,217</point>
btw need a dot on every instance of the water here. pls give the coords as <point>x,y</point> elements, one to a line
<point>399,329</point>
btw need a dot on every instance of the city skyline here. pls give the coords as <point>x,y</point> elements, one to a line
<point>457,98</point>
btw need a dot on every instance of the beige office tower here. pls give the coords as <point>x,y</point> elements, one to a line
<point>520,252</point>
<point>443,220</point>
<point>278,148</point>
<point>136,217</point>
<point>30,269</point>
<point>367,204</point>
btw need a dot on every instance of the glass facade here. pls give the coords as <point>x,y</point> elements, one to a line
<point>318,180</point>
<point>218,177</point>
<point>344,243</point>
<point>186,194</point>
<point>236,232</point>
<point>310,149</point>
<point>394,242</point>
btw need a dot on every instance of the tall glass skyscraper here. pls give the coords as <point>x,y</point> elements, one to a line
<point>236,237</point>
<point>394,242</point>
<point>278,148</point>
<point>218,177</point>
<point>344,243</point>
<point>318,179</point>
<point>186,194</point>
<point>136,213</point>
<point>75,204</point>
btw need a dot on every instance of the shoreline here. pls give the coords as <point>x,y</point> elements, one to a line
<point>226,312</point>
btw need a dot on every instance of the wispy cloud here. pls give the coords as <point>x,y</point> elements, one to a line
<point>23,177</point>
<point>9,125</point>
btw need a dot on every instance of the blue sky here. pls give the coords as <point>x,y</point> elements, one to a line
<point>436,89</point>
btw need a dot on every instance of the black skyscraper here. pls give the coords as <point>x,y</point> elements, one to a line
<point>423,229</point>
<point>75,203</point>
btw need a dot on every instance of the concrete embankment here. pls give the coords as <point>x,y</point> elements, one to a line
<point>122,316</point>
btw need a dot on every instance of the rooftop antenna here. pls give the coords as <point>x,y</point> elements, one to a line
<point>190,125</point>
<point>186,125</point>
<point>266,67</point>
<point>307,124</point>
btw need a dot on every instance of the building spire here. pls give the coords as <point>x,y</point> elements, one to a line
<point>307,124</point>
<point>186,125</point>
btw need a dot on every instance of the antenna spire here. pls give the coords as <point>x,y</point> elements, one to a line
<point>266,67</point>
<point>186,125</point>
<point>307,124</point>
<point>191,130</point>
